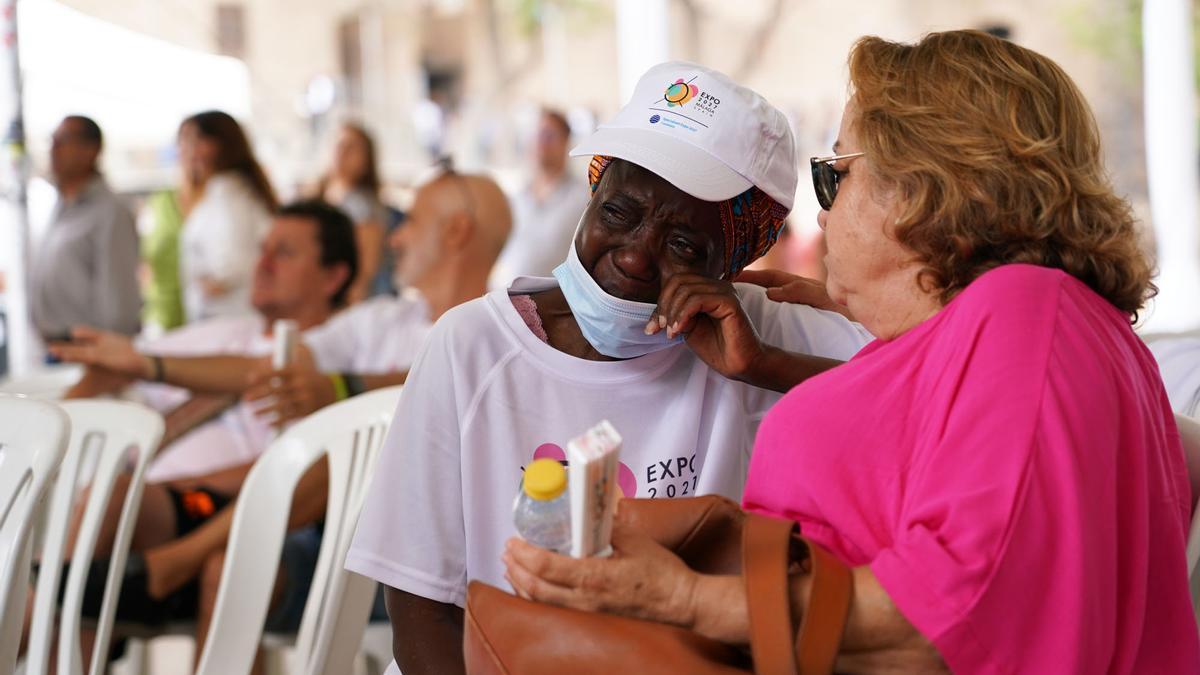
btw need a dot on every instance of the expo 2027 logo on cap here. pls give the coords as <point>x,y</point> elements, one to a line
<point>680,92</point>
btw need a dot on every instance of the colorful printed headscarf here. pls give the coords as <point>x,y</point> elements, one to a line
<point>752,221</point>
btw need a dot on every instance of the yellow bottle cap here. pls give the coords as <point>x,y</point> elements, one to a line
<point>545,479</point>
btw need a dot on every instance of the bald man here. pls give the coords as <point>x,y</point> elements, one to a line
<point>456,228</point>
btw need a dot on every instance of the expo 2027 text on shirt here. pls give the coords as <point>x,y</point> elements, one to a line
<point>487,396</point>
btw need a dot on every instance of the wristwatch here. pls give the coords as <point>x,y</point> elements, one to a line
<point>354,384</point>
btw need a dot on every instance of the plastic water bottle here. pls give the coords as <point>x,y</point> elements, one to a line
<point>285,332</point>
<point>542,512</point>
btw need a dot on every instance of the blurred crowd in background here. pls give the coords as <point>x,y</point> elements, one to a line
<point>356,102</point>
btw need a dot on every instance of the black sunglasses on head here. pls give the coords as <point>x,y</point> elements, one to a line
<point>825,178</point>
<point>445,164</point>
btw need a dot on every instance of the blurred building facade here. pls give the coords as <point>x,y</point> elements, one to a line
<point>467,76</point>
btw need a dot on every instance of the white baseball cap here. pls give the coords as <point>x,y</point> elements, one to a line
<point>705,134</point>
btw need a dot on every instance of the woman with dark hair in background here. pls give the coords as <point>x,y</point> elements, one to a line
<point>352,184</point>
<point>231,213</point>
<point>160,224</point>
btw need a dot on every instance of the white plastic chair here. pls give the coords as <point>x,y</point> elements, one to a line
<point>376,647</point>
<point>334,621</point>
<point>33,440</point>
<point>106,436</point>
<point>350,434</point>
<point>1189,431</point>
<point>48,383</point>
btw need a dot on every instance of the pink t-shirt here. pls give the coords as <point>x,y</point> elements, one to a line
<point>1011,473</point>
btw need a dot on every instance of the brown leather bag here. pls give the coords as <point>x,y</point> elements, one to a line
<point>506,635</point>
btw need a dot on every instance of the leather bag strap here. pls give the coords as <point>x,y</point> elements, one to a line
<point>765,544</point>
<point>824,619</point>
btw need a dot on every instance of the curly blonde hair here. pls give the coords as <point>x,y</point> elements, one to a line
<point>996,158</point>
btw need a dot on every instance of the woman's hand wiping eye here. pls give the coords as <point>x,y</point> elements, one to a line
<point>709,315</point>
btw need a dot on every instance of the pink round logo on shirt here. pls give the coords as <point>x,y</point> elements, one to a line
<point>626,480</point>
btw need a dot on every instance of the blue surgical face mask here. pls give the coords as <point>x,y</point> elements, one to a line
<point>613,326</point>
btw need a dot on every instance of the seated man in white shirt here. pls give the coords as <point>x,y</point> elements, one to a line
<point>305,266</point>
<point>684,196</point>
<point>456,228</point>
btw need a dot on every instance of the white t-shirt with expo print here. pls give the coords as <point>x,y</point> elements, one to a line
<point>486,397</point>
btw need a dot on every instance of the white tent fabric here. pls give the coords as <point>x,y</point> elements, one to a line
<point>135,86</point>
<point>1171,166</point>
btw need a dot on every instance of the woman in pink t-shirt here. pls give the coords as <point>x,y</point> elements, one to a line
<point>1000,468</point>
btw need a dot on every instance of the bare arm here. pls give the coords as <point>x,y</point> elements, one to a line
<point>97,382</point>
<point>297,391</point>
<point>785,287</point>
<point>373,382</point>
<point>192,413</point>
<point>218,374</point>
<point>209,374</point>
<point>188,415</point>
<point>645,580</point>
<point>710,316</point>
<point>178,561</point>
<point>308,499</point>
<point>311,495</point>
<point>877,637</point>
<point>779,370</point>
<point>426,635</point>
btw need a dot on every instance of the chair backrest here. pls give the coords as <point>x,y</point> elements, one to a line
<point>339,604</point>
<point>350,434</point>
<point>47,383</point>
<point>106,438</point>
<point>1189,431</point>
<point>33,440</point>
